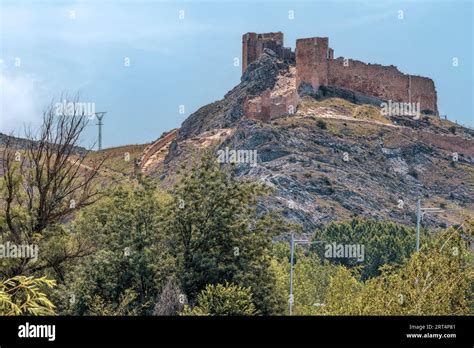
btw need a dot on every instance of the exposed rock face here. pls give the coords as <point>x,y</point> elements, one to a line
<point>259,76</point>
<point>320,175</point>
<point>333,158</point>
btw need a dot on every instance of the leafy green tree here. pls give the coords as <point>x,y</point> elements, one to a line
<point>22,295</point>
<point>223,299</point>
<point>311,277</point>
<point>218,235</point>
<point>130,263</point>
<point>384,243</point>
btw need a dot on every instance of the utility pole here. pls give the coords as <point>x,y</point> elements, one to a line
<point>292,251</point>
<point>293,243</point>
<point>100,116</point>
<point>418,220</point>
<point>419,217</point>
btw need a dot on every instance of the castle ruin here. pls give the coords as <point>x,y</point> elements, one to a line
<point>254,44</point>
<point>317,69</point>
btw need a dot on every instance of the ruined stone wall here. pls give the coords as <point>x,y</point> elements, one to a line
<point>151,149</point>
<point>316,67</point>
<point>266,106</point>
<point>385,82</point>
<point>253,108</point>
<point>280,100</point>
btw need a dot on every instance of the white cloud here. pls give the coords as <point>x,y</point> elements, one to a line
<point>19,100</point>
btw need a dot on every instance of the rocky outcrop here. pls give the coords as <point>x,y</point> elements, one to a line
<point>260,75</point>
<point>321,175</point>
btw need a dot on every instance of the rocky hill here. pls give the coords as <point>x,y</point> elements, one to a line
<point>331,158</point>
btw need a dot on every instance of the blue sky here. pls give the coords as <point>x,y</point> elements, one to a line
<point>190,61</point>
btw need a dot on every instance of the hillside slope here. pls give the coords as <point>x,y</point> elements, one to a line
<point>333,159</point>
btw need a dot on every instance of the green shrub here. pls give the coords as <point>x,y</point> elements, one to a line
<point>321,124</point>
<point>223,299</point>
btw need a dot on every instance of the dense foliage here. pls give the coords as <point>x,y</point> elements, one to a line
<point>203,248</point>
<point>384,243</point>
<point>218,237</point>
<point>153,251</point>
<point>437,280</point>
<point>131,259</point>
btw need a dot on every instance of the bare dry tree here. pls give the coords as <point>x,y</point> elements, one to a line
<point>46,180</point>
<point>171,300</point>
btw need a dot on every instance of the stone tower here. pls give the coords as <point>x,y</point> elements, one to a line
<point>312,61</point>
<point>253,45</point>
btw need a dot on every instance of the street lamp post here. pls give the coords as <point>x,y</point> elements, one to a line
<point>419,217</point>
<point>292,251</point>
<point>293,243</point>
